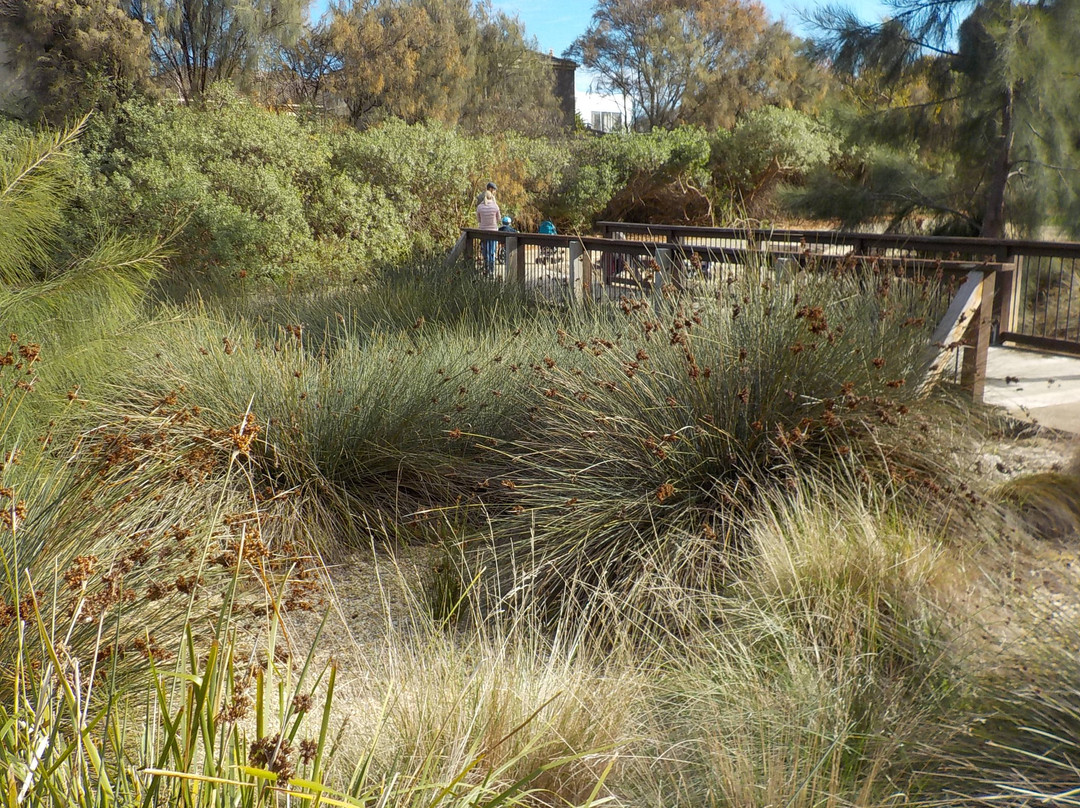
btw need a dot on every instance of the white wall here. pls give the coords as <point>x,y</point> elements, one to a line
<point>588,103</point>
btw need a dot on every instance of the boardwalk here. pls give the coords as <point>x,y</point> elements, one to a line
<point>1035,386</point>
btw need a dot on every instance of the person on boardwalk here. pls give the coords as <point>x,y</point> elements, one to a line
<point>507,227</point>
<point>487,214</point>
<point>547,252</point>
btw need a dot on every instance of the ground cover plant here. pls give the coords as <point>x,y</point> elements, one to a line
<point>703,549</point>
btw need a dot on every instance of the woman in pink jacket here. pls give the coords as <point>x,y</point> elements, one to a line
<point>488,214</point>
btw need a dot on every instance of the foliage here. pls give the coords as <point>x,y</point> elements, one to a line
<point>76,55</point>
<point>252,193</point>
<point>1048,502</point>
<point>995,83</point>
<point>676,424</point>
<point>428,172</point>
<point>724,518</point>
<point>688,175</point>
<point>512,86</point>
<point>828,634</point>
<point>766,147</point>
<point>197,43</point>
<point>686,61</point>
<point>832,619</point>
<point>304,68</point>
<point>447,61</point>
<point>636,177</point>
<point>259,194</point>
<point>34,177</point>
<point>409,59</point>
<point>880,181</point>
<point>134,551</point>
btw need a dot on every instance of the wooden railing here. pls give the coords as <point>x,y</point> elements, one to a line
<point>995,300</point>
<point>1037,302</point>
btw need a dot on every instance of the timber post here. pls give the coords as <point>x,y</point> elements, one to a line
<point>973,374</point>
<point>511,258</point>
<point>575,273</point>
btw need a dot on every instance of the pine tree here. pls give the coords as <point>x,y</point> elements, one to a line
<point>997,80</point>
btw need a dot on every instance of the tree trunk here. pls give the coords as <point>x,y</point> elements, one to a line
<point>993,225</point>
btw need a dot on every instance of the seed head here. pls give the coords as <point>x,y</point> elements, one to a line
<point>308,749</point>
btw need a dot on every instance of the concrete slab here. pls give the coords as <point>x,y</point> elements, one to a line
<point>1036,386</point>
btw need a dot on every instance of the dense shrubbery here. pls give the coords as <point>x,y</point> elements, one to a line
<point>689,176</point>
<point>633,176</point>
<point>266,194</point>
<point>769,146</point>
<point>254,193</point>
<point>249,190</point>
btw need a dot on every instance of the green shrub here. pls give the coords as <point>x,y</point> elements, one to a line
<point>635,177</point>
<point>254,193</point>
<point>250,191</point>
<point>429,172</point>
<point>766,147</point>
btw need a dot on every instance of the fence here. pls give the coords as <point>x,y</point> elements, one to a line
<point>1027,292</point>
<point>1038,289</point>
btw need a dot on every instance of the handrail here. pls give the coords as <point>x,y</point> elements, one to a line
<point>971,323</point>
<point>637,247</point>
<point>1004,248</point>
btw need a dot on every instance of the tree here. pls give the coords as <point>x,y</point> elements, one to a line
<point>766,148</point>
<point>75,55</point>
<point>306,66</point>
<point>199,42</point>
<point>440,60</point>
<point>1000,77</point>
<point>512,83</point>
<point>686,61</point>
<point>410,59</point>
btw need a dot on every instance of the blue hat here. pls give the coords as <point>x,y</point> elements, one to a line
<point>506,220</point>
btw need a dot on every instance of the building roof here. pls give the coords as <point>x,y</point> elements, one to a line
<point>556,61</point>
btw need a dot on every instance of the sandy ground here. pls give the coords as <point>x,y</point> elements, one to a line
<point>1034,386</point>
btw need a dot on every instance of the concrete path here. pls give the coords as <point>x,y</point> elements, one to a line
<point>1036,386</point>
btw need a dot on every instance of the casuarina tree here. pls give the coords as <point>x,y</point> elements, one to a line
<point>195,43</point>
<point>998,80</point>
<point>73,55</point>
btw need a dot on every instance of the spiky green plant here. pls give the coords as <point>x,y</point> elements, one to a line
<point>643,435</point>
<point>34,185</point>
